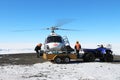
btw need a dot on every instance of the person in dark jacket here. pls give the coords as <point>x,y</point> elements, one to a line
<point>38,49</point>
<point>102,49</point>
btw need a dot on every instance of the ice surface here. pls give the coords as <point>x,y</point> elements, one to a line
<point>16,51</point>
<point>50,71</point>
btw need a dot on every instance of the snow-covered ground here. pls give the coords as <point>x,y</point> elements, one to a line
<point>16,51</point>
<point>15,48</point>
<point>31,50</point>
<point>50,71</point>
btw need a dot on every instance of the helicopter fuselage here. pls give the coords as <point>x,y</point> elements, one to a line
<point>54,42</point>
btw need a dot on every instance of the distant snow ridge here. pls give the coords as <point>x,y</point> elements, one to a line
<point>30,50</point>
<point>49,71</point>
<point>15,51</point>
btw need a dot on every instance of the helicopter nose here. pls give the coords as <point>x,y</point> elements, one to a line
<point>55,44</point>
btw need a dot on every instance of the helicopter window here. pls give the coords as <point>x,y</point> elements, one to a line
<point>54,39</point>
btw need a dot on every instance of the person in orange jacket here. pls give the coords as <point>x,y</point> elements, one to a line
<point>77,48</point>
<point>37,49</point>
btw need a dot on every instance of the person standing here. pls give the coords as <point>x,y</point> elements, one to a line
<point>77,48</point>
<point>38,49</point>
<point>102,49</point>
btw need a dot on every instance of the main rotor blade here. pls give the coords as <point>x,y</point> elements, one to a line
<point>68,29</point>
<point>63,22</point>
<point>25,30</point>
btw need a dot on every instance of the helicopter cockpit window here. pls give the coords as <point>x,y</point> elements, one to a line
<point>54,39</point>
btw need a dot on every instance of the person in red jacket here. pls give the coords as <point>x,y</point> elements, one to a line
<point>37,49</point>
<point>77,48</point>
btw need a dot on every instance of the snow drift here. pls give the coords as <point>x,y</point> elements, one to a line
<point>50,71</point>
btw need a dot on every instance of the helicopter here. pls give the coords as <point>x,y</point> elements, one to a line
<point>55,43</point>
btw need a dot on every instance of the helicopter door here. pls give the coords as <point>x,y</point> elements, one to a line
<point>66,40</point>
